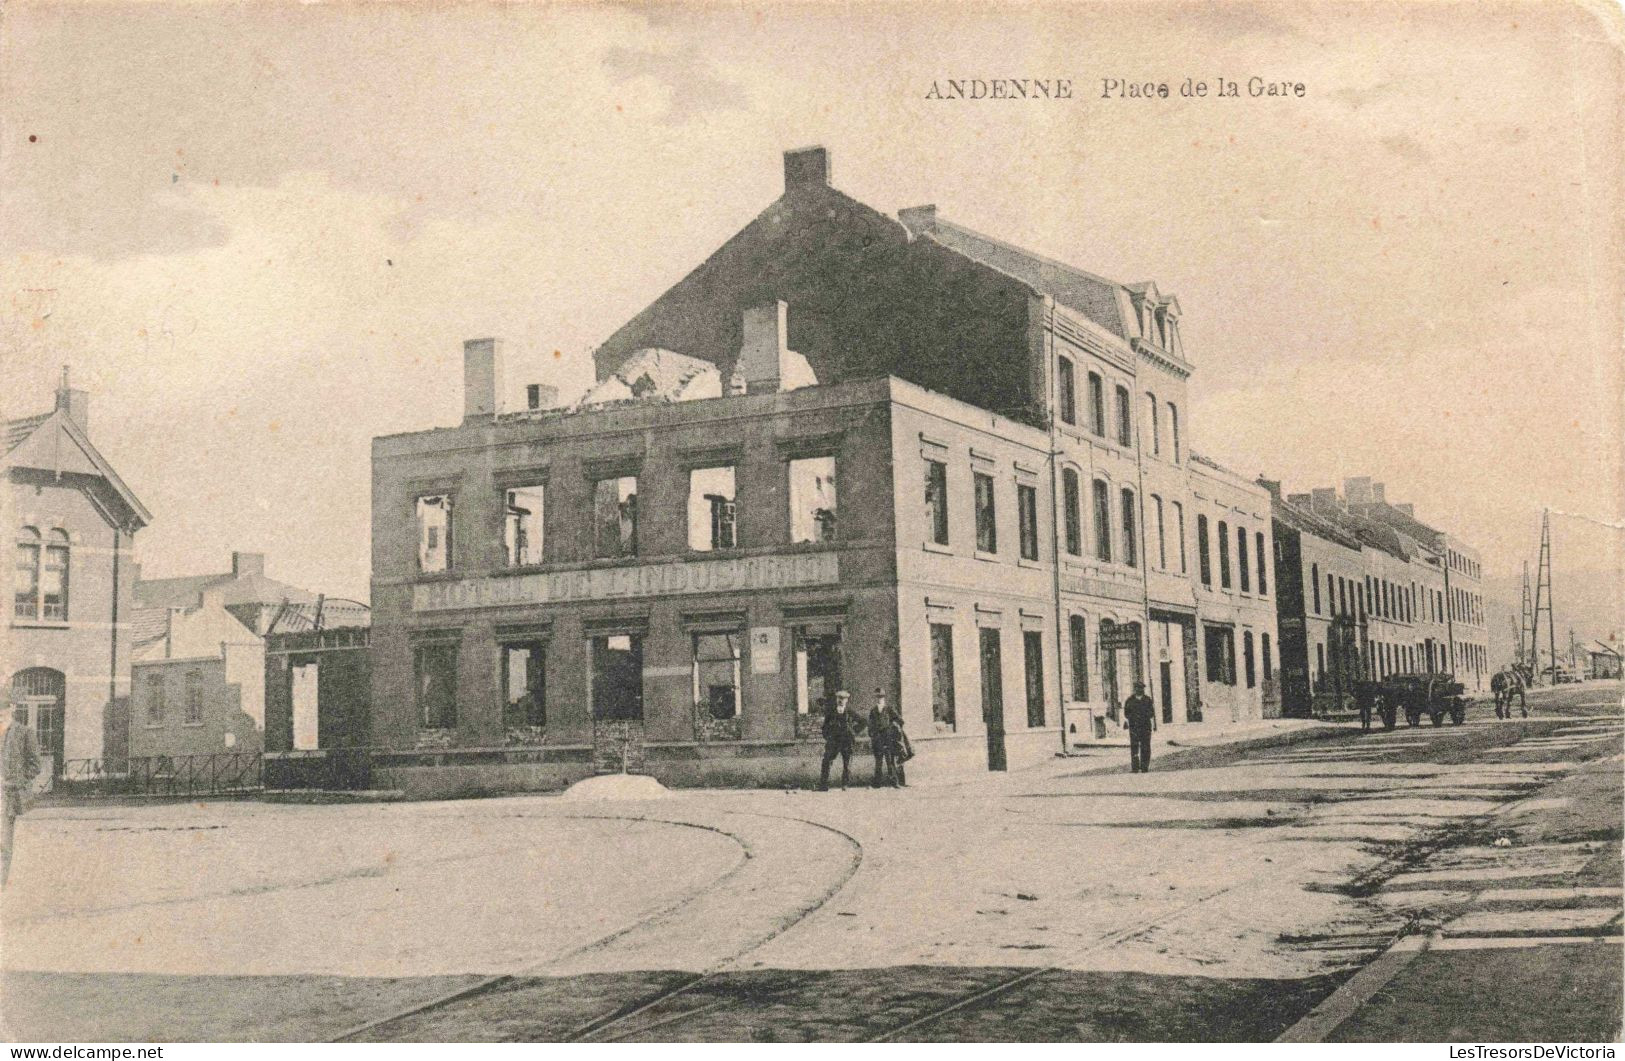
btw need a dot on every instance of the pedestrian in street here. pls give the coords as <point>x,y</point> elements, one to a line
<point>1515,687</point>
<point>1365,700</point>
<point>886,742</point>
<point>19,765</point>
<point>840,731</point>
<point>1498,689</point>
<point>1142,718</point>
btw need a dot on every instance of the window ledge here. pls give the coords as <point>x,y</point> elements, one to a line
<point>1033,564</point>
<point>42,624</point>
<point>991,558</point>
<point>937,547</point>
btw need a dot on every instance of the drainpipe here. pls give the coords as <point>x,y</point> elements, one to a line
<point>1062,633</point>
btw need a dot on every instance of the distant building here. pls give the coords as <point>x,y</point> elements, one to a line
<point>1603,659</point>
<point>261,603</point>
<point>65,653</point>
<point>1366,592</point>
<point>202,659</point>
<point>198,678</point>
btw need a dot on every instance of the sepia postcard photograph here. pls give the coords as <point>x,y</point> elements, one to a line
<point>826,521</point>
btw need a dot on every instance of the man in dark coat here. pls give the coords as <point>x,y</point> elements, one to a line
<point>1141,715</point>
<point>886,741</point>
<point>19,765</point>
<point>840,730</point>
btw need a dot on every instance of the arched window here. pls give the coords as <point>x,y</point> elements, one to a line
<point>1125,418</point>
<point>1173,429</point>
<point>1097,404</point>
<point>1156,426</point>
<point>42,576</point>
<point>1067,397</point>
<point>1071,511</point>
<point>1103,520</point>
<point>1224,555</point>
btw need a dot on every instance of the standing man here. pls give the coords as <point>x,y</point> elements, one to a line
<point>1141,715</point>
<point>19,765</point>
<point>840,730</point>
<point>886,741</point>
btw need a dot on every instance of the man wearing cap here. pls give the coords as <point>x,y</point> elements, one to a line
<point>1141,715</point>
<point>840,730</point>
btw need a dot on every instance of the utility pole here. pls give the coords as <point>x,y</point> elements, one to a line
<point>1526,635</point>
<point>1543,589</point>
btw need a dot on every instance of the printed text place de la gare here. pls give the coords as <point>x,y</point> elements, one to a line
<point>1062,88</point>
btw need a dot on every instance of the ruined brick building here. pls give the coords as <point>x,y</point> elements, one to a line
<point>846,451</point>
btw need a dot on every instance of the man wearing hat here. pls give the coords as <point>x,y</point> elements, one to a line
<point>1141,715</point>
<point>840,730</point>
<point>886,741</point>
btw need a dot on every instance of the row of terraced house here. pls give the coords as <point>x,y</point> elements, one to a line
<point>848,451</point>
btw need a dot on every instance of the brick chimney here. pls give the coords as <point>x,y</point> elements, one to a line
<point>1377,494</point>
<point>1324,498</point>
<point>763,352</point>
<point>484,379</point>
<point>540,396</point>
<point>76,403</point>
<point>806,168</point>
<point>247,565</point>
<point>1358,490</point>
<point>918,219</point>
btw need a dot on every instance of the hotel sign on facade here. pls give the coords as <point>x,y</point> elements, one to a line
<point>619,583</point>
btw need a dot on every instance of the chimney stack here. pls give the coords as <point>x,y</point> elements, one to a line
<point>1324,498</point>
<point>541,396</point>
<point>763,352</point>
<point>75,402</point>
<point>484,379</point>
<point>806,168</point>
<point>247,565</point>
<point>1358,490</point>
<point>918,219</point>
<point>1377,494</point>
<point>1407,508</point>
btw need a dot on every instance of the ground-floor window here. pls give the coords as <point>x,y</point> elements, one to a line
<point>716,672</point>
<point>817,667</point>
<point>524,683</point>
<point>617,677</point>
<point>992,678</point>
<point>1221,654</point>
<point>942,674</point>
<point>1032,643</point>
<point>1247,658</point>
<point>1264,655</point>
<point>435,667</point>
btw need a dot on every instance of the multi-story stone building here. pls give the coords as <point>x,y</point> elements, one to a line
<point>845,451</point>
<point>1365,593</point>
<point>64,654</point>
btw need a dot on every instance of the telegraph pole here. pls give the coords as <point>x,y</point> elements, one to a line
<point>1526,634</point>
<point>1543,590</point>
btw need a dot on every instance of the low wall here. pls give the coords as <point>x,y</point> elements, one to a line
<point>450,773</point>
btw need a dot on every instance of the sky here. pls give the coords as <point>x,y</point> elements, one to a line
<point>258,234</point>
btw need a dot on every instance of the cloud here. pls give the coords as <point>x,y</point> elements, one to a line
<point>689,78</point>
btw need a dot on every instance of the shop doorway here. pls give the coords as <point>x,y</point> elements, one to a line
<point>617,703</point>
<point>1120,664</point>
<point>40,693</point>
<point>993,698</point>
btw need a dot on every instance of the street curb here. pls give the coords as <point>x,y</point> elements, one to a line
<point>1356,991</point>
